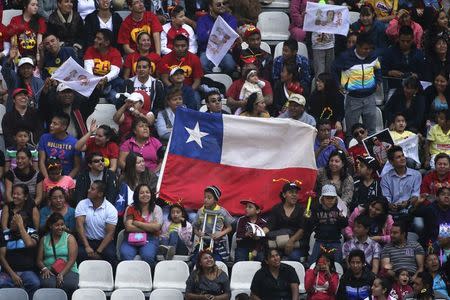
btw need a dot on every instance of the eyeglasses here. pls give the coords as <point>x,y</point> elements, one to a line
<point>98,160</point>
<point>359,132</point>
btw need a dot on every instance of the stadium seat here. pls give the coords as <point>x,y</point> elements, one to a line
<point>171,274</point>
<point>302,49</point>
<point>312,240</point>
<point>120,238</point>
<point>123,13</point>
<point>96,274</point>
<point>337,265</point>
<point>8,14</point>
<point>2,114</point>
<point>103,114</point>
<point>264,46</point>
<point>221,265</point>
<point>133,274</point>
<point>165,294</point>
<point>379,120</point>
<point>274,26</point>
<point>234,293</point>
<point>300,270</point>
<point>222,78</point>
<point>127,294</point>
<point>353,16</point>
<point>50,294</point>
<point>242,274</point>
<point>89,294</point>
<point>13,294</point>
<point>277,4</point>
<point>233,247</point>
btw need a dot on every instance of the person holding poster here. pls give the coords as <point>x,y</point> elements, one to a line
<point>297,12</point>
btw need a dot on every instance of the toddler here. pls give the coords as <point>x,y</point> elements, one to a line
<point>251,85</point>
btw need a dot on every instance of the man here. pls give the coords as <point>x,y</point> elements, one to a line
<point>434,180</point>
<point>403,59</point>
<point>290,53</point>
<point>139,20</point>
<point>17,255</point>
<point>95,171</point>
<point>296,110</point>
<point>400,185</point>
<point>213,102</point>
<point>255,55</point>
<point>104,60</point>
<point>401,253</point>
<point>58,143</point>
<point>422,287</point>
<point>358,72</point>
<point>359,133</point>
<point>176,77</point>
<point>325,143</point>
<point>380,149</point>
<point>96,220</point>
<point>203,30</point>
<point>53,55</point>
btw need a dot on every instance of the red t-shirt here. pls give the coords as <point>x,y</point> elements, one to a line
<point>103,62</point>
<point>131,61</point>
<point>190,64</point>
<point>130,28</point>
<point>26,37</point>
<point>4,36</point>
<point>431,183</point>
<point>110,151</point>
<point>235,89</point>
<point>172,33</point>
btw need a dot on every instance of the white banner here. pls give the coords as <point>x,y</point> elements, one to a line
<point>221,39</point>
<point>325,18</point>
<point>77,78</point>
<point>411,147</point>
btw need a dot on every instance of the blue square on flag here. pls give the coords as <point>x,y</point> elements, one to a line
<point>197,135</point>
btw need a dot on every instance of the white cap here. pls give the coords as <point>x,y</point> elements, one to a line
<point>329,190</point>
<point>297,98</point>
<point>174,70</point>
<point>62,87</point>
<point>135,97</point>
<point>26,60</point>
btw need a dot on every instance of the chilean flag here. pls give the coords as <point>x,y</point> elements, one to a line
<point>245,157</point>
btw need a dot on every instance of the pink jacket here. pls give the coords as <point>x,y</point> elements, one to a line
<point>386,238</point>
<point>297,12</point>
<point>393,28</point>
<point>185,233</point>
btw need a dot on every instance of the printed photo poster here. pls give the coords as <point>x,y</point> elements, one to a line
<point>326,18</point>
<point>410,147</point>
<point>221,39</point>
<point>378,144</point>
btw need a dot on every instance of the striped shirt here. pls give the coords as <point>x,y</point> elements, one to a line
<point>403,257</point>
<point>372,249</point>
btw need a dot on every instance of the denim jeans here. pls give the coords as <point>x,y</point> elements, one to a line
<point>241,254</point>
<point>328,245</point>
<point>30,281</point>
<point>175,241</point>
<point>227,64</point>
<point>146,252</point>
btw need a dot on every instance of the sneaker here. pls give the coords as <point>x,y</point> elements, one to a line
<point>162,250</point>
<point>170,253</point>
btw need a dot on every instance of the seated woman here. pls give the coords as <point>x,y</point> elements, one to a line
<point>56,256</point>
<point>437,97</point>
<point>321,283</point>
<point>255,107</point>
<point>275,280</point>
<point>287,85</point>
<point>438,58</point>
<point>433,267</point>
<point>21,204</point>
<point>143,221</point>
<point>207,281</point>
<point>58,203</point>
<point>103,17</point>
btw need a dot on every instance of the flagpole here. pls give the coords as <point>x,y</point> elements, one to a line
<point>163,166</point>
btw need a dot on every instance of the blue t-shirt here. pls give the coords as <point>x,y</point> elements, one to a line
<point>62,149</point>
<point>69,217</point>
<point>52,63</point>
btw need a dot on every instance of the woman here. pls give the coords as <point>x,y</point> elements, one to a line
<point>287,85</point>
<point>380,289</point>
<point>207,281</point>
<point>369,24</point>
<point>58,203</point>
<point>102,139</point>
<point>286,220</point>
<point>436,96</point>
<point>438,59</point>
<point>403,18</point>
<point>438,29</point>
<point>275,280</point>
<point>381,222</point>
<point>56,257</point>
<point>326,102</point>
<point>321,283</point>
<point>255,107</point>
<point>336,173</point>
<point>26,30</point>
<point>26,174</point>
<point>142,143</point>
<point>21,204</point>
<point>103,17</point>
<point>432,266</point>
<point>146,218</point>
<point>408,100</point>
<point>144,44</point>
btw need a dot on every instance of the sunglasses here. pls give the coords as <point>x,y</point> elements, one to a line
<point>98,160</point>
<point>359,132</point>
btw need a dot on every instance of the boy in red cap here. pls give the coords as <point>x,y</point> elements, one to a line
<point>249,242</point>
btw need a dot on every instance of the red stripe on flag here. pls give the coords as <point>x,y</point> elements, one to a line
<point>185,179</point>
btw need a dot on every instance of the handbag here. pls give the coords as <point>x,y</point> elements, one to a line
<point>278,239</point>
<point>137,238</point>
<point>59,263</point>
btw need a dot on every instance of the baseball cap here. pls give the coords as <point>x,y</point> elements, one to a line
<point>290,186</point>
<point>175,71</point>
<point>297,98</point>
<point>369,161</point>
<point>18,91</point>
<point>62,87</point>
<point>135,97</point>
<point>254,202</point>
<point>26,60</point>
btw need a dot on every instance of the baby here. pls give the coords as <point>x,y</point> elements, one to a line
<point>252,84</point>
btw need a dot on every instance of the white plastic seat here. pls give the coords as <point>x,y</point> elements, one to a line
<point>264,46</point>
<point>2,114</point>
<point>103,114</point>
<point>127,294</point>
<point>88,294</point>
<point>337,265</point>
<point>123,13</point>
<point>171,274</point>
<point>379,120</point>
<point>13,294</point>
<point>353,16</point>
<point>242,274</point>
<point>302,49</point>
<point>96,274</point>
<point>222,78</point>
<point>312,240</point>
<point>8,14</point>
<point>278,4</point>
<point>300,270</point>
<point>50,294</point>
<point>134,274</point>
<point>274,26</point>
<point>233,247</point>
<point>166,294</point>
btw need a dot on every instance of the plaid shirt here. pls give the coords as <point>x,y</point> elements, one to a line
<point>303,69</point>
<point>371,249</point>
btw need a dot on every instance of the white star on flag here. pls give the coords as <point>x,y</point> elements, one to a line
<point>121,199</point>
<point>195,135</point>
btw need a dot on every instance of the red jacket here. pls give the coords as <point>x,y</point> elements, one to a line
<point>319,287</point>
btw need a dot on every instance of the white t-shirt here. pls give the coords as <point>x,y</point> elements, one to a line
<point>322,41</point>
<point>106,25</point>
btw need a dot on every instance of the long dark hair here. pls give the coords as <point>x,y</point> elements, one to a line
<point>328,95</point>
<point>432,36</point>
<point>381,219</point>
<point>28,154</point>
<point>330,258</point>
<point>291,68</point>
<point>251,100</point>
<point>52,219</point>
<point>130,176</point>
<point>28,206</point>
<point>198,268</point>
<point>110,134</point>
<point>137,203</point>
<point>343,173</point>
<point>34,22</point>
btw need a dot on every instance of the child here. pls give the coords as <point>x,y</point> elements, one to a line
<point>55,178</point>
<point>22,139</point>
<point>249,245</point>
<point>367,185</point>
<point>166,117</point>
<point>327,221</point>
<point>176,233</point>
<point>401,286</point>
<point>381,288</point>
<point>175,27</point>
<point>438,139</point>
<point>351,39</point>
<point>321,283</point>
<point>398,131</point>
<point>362,241</point>
<point>210,210</point>
<point>252,84</point>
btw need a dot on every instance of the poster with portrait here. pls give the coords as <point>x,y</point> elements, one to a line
<point>378,144</point>
<point>326,18</point>
<point>221,39</point>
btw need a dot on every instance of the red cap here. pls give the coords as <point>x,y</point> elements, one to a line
<point>255,203</point>
<point>18,91</point>
<point>147,102</point>
<point>251,30</point>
